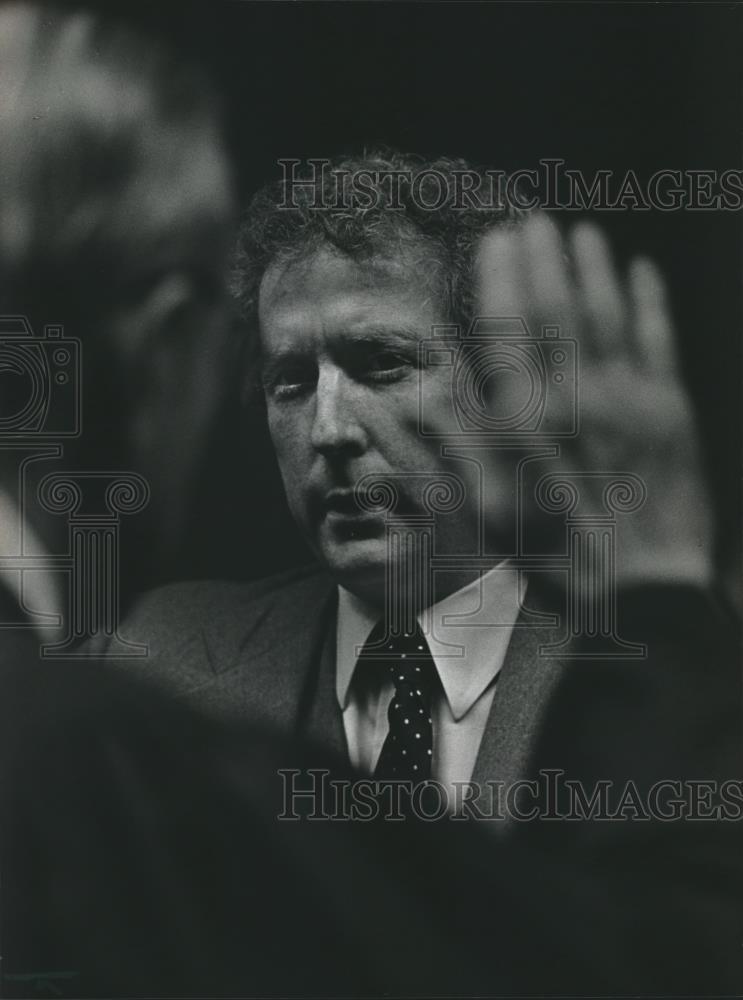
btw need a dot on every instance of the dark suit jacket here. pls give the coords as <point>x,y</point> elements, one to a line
<point>141,853</point>
<point>267,650</point>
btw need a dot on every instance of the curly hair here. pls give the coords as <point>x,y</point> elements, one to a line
<point>353,206</point>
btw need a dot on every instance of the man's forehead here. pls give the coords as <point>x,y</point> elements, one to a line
<point>325,277</point>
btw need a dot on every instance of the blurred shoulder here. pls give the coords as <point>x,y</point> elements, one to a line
<point>210,604</point>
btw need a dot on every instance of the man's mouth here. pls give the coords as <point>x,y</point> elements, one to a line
<point>366,505</point>
<point>346,519</point>
<point>343,503</point>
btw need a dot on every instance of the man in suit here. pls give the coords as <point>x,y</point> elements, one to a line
<point>412,674</point>
<point>341,299</point>
<point>140,851</point>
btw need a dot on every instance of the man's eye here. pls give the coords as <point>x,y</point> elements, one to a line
<point>387,366</point>
<point>289,382</point>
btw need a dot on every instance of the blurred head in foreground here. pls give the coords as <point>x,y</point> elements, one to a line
<point>115,220</point>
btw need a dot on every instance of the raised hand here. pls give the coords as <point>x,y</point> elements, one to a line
<point>635,415</point>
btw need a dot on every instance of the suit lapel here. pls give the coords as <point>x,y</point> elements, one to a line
<point>285,666</point>
<point>321,715</point>
<point>523,690</point>
<point>287,663</point>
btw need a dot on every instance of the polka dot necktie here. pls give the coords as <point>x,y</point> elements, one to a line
<point>408,749</point>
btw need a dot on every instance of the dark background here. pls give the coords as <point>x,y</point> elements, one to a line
<point>603,86</point>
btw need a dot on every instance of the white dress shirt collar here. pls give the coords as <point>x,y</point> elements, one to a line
<point>468,635</point>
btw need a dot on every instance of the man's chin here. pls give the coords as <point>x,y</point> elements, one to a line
<point>364,567</point>
<point>356,561</point>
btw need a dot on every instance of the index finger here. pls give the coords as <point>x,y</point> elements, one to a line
<point>653,329</point>
<point>499,284</point>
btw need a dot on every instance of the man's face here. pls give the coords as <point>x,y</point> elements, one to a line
<point>342,375</point>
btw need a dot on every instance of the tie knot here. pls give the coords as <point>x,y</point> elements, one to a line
<point>406,656</point>
<point>384,644</point>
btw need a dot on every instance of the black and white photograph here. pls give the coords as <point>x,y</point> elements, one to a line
<point>370,499</point>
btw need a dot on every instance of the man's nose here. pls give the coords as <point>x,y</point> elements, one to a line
<point>336,428</point>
